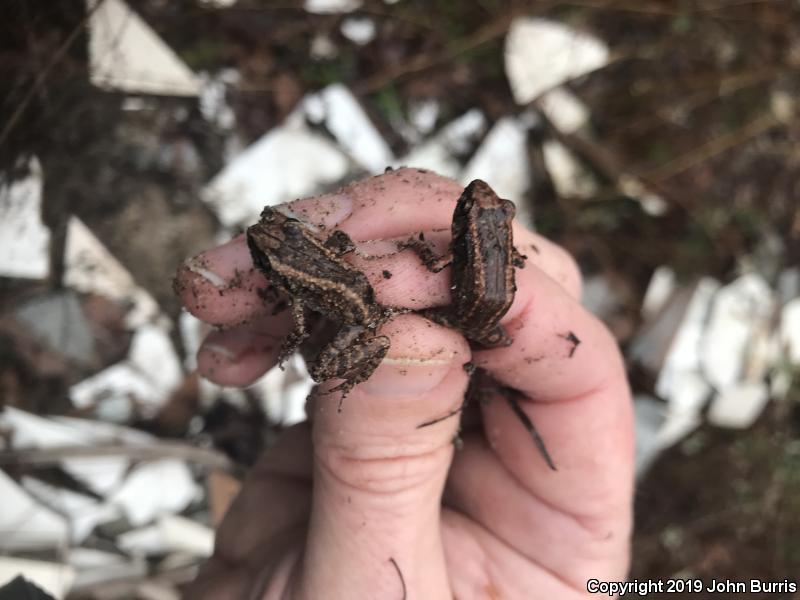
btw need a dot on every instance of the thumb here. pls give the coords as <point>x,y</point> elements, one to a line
<point>378,477</point>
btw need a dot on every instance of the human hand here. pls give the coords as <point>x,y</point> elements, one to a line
<point>363,504</point>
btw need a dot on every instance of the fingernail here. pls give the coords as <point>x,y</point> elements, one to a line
<point>199,267</point>
<point>406,376</point>
<point>326,211</point>
<point>220,351</point>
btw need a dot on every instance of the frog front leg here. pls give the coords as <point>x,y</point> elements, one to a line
<point>352,355</point>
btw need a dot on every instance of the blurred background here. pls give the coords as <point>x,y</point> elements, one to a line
<point>657,140</point>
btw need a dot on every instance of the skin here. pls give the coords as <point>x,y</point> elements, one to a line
<point>331,505</point>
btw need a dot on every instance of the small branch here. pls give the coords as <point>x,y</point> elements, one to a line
<point>51,456</point>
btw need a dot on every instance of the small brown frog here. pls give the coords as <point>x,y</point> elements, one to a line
<point>483,259</point>
<point>314,276</point>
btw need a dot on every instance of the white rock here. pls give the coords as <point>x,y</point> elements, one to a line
<point>84,512</point>
<point>154,488</point>
<point>542,54</point>
<point>24,239</point>
<point>90,268</point>
<point>186,536</point>
<point>502,161</point>
<point>323,7</point>
<point>569,176</point>
<point>153,355</point>
<point>54,578</point>
<point>738,406</point>
<point>738,311</point>
<point>26,524</point>
<point>94,566</point>
<point>350,125</point>
<point>288,162</point>
<point>564,110</point>
<point>660,288</point>
<point>283,393</point>
<point>440,152</point>
<point>359,30</point>
<point>126,54</point>
<point>113,391</point>
<point>423,114</point>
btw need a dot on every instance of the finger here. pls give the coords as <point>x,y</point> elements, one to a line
<point>240,355</point>
<point>569,373</point>
<point>378,477</point>
<point>222,287</point>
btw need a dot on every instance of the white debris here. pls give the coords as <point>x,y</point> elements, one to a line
<point>143,541</point>
<point>790,331</point>
<point>213,102</point>
<point>359,30</point>
<point>324,7</point>
<point>738,311</point>
<point>153,355</point>
<point>25,523</point>
<point>101,474</point>
<point>564,110</point>
<point>186,536</point>
<point>651,203</point>
<point>90,267</point>
<point>648,416</point>
<point>192,331</point>
<point>24,239</point>
<point>689,393</point>
<point>350,125</point>
<point>113,392</point>
<point>288,162</point>
<point>54,578</point>
<point>126,54</point>
<point>322,47</point>
<point>154,488</point>
<point>683,357</point>
<point>542,54</point>
<point>788,286</point>
<point>423,114</point>
<point>283,393</point>
<point>83,512</point>
<point>440,153</point>
<point>502,160</point>
<point>93,566</point>
<point>659,290</point>
<point>59,321</point>
<point>739,405</point>
<point>570,177</point>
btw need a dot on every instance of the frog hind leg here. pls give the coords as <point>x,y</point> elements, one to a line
<point>298,333</point>
<point>350,356</point>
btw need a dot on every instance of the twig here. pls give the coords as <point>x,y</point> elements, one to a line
<point>42,76</point>
<point>50,456</point>
<point>711,149</point>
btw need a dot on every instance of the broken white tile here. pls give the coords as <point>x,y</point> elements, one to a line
<point>126,54</point>
<point>283,393</point>
<point>154,488</point>
<point>359,30</point>
<point>213,98</point>
<point>738,406</point>
<point>440,153</point>
<point>143,541</point>
<point>352,128</point>
<point>90,268</point>
<point>101,474</point>
<point>564,110</point>
<point>59,321</point>
<point>24,239</point>
<point>94,566</point>
<point>570,177</point>
<point>737,311</point>
<point>423,114</point>
<point>682,360</point>
<point>323,47</point>
<point>288,162</point>
<point>82,511</point>
<point>324,7</point>
<point>114,391</point>
<point>651,203</point>
<point>186,536</point>
<point>542,54</point>
<point>54,578</point>
<point>25,523</point>
<point>502,161</point>
<point>153,354</point>
<point>660,288</point>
